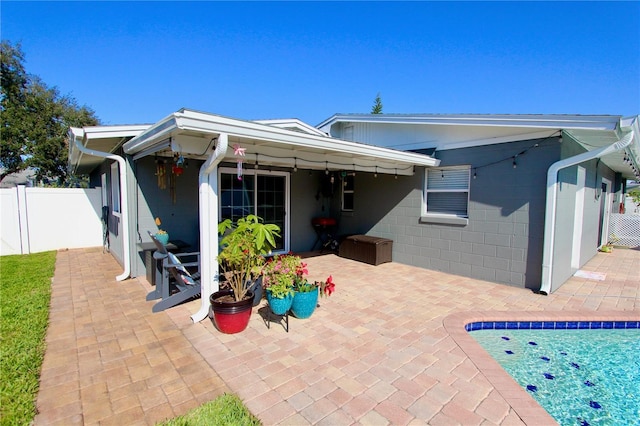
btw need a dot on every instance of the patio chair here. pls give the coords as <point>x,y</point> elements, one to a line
<point>174,282</point>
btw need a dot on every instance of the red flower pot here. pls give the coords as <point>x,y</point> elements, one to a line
<point>230,316</point>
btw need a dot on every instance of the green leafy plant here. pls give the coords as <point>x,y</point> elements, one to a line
<point>326,287</point>
<point>243,247</point>
<point>285,274</point>
<point>287,270</point>
<point>280,273</point>
<point>635,196</point>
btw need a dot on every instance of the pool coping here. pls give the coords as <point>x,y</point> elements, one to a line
<point>525,406</point>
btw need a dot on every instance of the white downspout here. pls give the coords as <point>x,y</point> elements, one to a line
<point>550,211</point>
<point>208,210</point>
<point>125,203</point>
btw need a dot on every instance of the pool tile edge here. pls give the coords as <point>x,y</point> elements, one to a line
<point>526,407</point>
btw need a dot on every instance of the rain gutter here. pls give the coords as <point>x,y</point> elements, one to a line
<point>208,208</point>
<point>124,211</point>
<point>551,206</point>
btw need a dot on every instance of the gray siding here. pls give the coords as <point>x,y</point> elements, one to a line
<point>114,223</point>
<point>502,241</point>
<point>179,218</point>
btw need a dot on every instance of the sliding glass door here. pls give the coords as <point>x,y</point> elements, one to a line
<point>265,194</point>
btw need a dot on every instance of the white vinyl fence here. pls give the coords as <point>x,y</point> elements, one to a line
<point>40,219</point>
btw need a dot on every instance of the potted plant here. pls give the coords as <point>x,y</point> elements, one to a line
<point>608,248</point>
<point>241,256</point>
<point>161,234</point>
<point>278,278</point>
<point>305,298</point>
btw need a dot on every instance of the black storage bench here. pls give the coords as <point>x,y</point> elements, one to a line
<point>367,249</point>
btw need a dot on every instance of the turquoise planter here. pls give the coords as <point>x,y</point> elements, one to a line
<point>279,306</point>
<point>163,238</point>
<point>304,304</point>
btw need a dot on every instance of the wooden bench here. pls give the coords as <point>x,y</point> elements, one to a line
<point>367,249</point>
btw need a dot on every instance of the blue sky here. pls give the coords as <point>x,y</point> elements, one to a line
<point>137,62</point>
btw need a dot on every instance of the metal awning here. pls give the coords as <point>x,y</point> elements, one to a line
<point>193,134</point>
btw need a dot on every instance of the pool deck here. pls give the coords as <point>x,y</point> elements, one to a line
<point>388,347</point>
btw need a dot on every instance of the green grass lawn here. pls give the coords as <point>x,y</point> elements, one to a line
<point>25,292</point>
<point>226,410</point>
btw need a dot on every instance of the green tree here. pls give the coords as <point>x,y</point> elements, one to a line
<point>35,119</point>
<point>635,195</point>
<point>377,105</point>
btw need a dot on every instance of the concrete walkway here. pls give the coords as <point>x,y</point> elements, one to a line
<point>382,350</point>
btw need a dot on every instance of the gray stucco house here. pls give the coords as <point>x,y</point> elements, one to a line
<point>515,199</point>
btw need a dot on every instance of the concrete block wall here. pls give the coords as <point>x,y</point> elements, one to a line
<point>503,239</point>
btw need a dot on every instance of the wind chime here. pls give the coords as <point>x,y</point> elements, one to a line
<point>239,152</point>
<point>161,174</point>
<point>177,168</point>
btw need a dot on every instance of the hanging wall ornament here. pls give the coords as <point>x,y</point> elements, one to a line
<point>161,173</point>
<point>238,151</point>
<point>178,164</point>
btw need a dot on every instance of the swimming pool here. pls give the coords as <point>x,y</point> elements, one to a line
<point>581,372</point>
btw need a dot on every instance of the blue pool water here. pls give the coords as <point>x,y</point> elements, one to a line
<point>582,373</point>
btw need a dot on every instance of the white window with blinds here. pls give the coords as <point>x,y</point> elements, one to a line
<point>447,191</point>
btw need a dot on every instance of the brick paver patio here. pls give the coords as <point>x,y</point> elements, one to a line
<point>386,348</point>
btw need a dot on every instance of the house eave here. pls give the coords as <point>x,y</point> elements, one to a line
<point>590,131</point>
<point>105,139</point>
<point>268,140</point>
<point>603,122</point>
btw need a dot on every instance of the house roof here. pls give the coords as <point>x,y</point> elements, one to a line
<point>465,130</point>
<point>286,143</point>
<point>23,177</point>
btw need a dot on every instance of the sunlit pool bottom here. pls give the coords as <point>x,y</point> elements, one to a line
<point>580,372</point>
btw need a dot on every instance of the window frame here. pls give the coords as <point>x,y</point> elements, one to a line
<point>446,218</point>
<point>254,174</point>
<point>352,191</point>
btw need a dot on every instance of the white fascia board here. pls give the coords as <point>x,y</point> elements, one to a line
<point>104,132</point>
<point>599,122</point>
<point>215,125</point>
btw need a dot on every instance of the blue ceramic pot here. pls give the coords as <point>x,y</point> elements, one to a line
<point>163,238</point>
<point>279,306</point>
<point>304,303</point>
